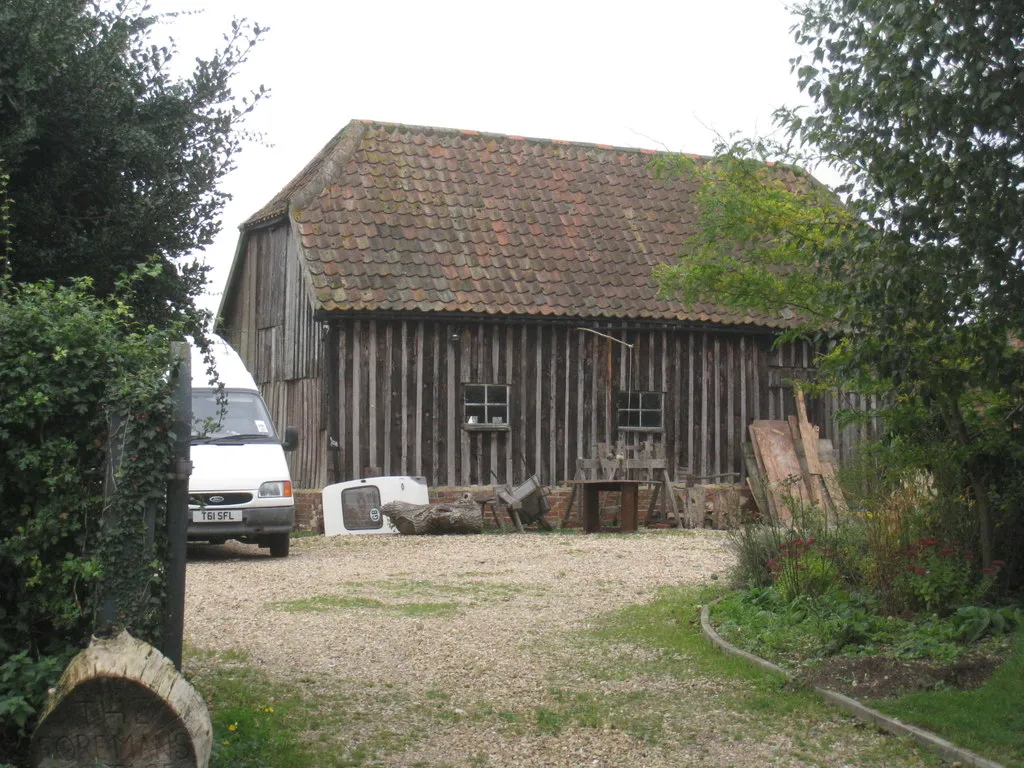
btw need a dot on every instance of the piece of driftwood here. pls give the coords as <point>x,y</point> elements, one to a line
<point>122,703</point>
<point>464,516</point>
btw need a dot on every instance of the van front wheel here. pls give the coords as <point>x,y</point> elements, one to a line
<point>279,544</point>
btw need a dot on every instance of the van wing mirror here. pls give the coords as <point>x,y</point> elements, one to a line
<point>291,439</point>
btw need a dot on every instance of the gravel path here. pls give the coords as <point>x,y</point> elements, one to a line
<point>470,651</point>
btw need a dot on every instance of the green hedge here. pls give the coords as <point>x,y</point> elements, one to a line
<point>74,371</point>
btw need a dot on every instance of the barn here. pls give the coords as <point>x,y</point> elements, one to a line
<point>474,308</point>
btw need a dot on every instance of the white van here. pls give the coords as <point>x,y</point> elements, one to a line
<point>240,487</point>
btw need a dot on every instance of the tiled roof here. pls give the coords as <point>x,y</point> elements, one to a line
<point>399,218</point>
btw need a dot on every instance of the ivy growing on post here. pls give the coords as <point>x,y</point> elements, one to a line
<point>76,375</point>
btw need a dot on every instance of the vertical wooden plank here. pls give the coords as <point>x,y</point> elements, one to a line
<point>386,395</point>
<point>604,376</point>
<point>372,363</point>
<point>783,356</point>
<point>647,348</point>
<point>492,466</point>
<point>332,385</point>
<point>677,407</point>
<point>537,464</point>
<point>417,465</point>
<point>581,342</point>
<point>552,411</point>
<point>525,403</point>
<point>345,444</point>
<point>404,362</point>
<point>436,438</point>
<point>730,384</point>
<point>704,443</point>
<point>665,423</point>
<point>515,404</point>
<point>567,473</point>
<point>745,396</point>
<point>452,422</point>
<point>467,355</point>
<point>691,425</point>
<point>718,383</point>
<point>356,393</point>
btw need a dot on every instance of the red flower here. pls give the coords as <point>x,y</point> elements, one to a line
<point>998,564</point>
<point>920,571</point>
<point>987,571</point>
<point>945,552</point>
<point>969,556</point>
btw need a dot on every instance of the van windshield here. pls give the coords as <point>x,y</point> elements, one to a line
<point>245,419</point>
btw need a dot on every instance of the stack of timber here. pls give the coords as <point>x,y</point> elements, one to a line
<point>464,516</point>
<point>122,703</point>
<point>789,465</point>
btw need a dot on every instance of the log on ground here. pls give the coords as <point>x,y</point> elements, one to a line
<point>121,702</point>
<point>465,516</point>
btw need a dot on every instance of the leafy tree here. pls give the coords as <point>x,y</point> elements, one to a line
<point>112,159</point>
<point>916,103</point>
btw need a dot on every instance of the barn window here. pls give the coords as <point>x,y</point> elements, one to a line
<point>486,406</point>
<point>641,410</point>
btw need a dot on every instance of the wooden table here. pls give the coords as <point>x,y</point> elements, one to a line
<point>590,508</point>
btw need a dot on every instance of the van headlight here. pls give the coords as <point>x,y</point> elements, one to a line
<point>276,489</point>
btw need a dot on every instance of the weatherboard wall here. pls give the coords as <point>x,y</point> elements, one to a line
<point>386,392</point>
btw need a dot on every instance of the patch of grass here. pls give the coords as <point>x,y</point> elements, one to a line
<point>627,712</point>
<point>261,723</point>
<point>988,720</point>
<point>321,603</point>
<point>470,589</point>
<point>425,610</point>
<point>760,703</point>
<point>671,623</point>
<point>256,723</point>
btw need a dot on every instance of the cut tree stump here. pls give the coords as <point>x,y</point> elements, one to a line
<point>122,703</point>
<point>465,516</point>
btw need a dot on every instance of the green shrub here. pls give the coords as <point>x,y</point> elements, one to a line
<point>754,546</point>
<point>939,577</point>
<point>75,371</point>
<point>801,570</point>
<point>973,622</point>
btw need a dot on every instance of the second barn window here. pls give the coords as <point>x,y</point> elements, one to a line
<point>486,406</point>
<point>641,410</point>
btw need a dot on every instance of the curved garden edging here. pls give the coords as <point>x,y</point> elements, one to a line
<point>945,749</point>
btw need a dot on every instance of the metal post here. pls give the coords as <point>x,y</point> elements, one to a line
<point>177,502</point>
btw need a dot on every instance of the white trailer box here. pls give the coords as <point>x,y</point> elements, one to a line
<point>353,507</point>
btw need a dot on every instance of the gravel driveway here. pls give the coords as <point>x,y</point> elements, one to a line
<point>466,651</point>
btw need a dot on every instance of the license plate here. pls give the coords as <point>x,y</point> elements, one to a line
<point>216,516</point>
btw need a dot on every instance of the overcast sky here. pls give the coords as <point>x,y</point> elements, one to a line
<point>636,74</point>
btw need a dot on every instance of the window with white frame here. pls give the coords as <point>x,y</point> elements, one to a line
<point>486,405</point>
<point>641,410</point>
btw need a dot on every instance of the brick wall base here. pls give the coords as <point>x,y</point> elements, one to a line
<point>309,507</point>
